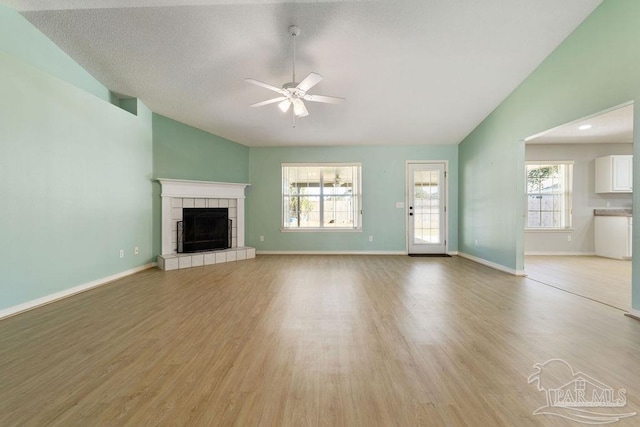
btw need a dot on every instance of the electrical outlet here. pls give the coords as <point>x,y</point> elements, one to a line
<point>569,238</point>
<point>136,251</point>
<point>476,243</point>
<point>121,253</point>
<point>262,238</point>
<point>371,238</point>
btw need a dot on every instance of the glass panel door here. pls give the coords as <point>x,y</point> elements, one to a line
<point>426,209</point>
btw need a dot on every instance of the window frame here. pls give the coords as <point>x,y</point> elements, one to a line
<point>356,197</point>
<point>566,194</point>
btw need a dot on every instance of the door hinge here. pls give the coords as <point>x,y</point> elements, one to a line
<point>445,174</point>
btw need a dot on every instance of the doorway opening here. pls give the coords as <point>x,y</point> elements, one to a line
<point>578,183</point>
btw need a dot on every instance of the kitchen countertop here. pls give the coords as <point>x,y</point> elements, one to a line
<point>613,212</point>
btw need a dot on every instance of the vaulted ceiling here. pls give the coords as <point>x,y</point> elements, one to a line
<point>413,71</point>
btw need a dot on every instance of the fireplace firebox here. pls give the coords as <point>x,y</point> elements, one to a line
<point>204,229</point>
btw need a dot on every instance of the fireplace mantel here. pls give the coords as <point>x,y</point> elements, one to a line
<point>180,188</point>
<point>204,189</point>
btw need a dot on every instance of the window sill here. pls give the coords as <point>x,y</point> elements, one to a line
<point>321,230</point>
<point>548,230</point>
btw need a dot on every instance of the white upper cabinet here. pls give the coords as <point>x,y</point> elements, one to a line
<point>614,174</point>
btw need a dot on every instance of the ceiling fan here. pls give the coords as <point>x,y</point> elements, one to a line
<point>293,93</point>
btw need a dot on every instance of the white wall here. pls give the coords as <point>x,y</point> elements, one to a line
<point>585,199</point>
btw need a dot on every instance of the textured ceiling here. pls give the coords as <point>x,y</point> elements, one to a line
<point>413,71</point>
<point>614,126</point>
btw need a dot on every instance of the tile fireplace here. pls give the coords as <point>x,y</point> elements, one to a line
<point>178,195</point>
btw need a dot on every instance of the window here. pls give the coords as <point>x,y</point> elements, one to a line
<point>321,196</point>
<point>549,194</point>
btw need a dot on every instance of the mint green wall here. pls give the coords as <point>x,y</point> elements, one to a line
<point>383,184</point>
<point>75,185</point>
<point>595,68</point>
<point>184,152</point>
<point>21,40</point>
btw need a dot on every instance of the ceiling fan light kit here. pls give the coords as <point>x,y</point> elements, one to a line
<point>293,93</point>
<point>284,105</point>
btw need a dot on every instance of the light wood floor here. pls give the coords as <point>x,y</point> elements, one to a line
<point>309,340</point>
<point>602,279</point>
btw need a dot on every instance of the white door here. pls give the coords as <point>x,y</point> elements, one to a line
<point>426,208</point>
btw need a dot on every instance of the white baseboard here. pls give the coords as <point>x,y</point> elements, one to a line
<point>452,253</point>
<point>554,253</point>
<point>30,305</point>
<point>331,253</point>
<point>492,264</point>
<point>634,314</point>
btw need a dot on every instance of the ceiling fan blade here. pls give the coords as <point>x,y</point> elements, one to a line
<point>310,81</point>
<point>264,85</point>
<point>269,101</point>
<point>326,99</point>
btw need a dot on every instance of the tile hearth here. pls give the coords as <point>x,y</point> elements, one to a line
<point>198,259</point>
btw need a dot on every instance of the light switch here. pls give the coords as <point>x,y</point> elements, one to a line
<point>400,205</point>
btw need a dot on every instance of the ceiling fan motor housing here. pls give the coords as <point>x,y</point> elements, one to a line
<point>292,88</point>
